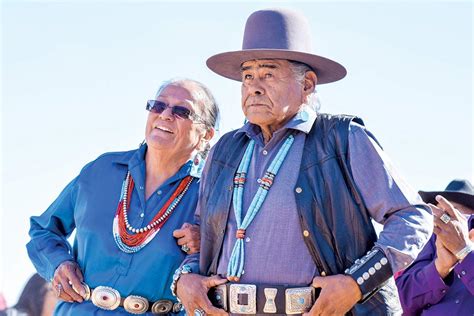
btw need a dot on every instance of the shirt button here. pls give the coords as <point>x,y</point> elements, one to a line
<point>305,233</point>
<point>299,190</point>
<point>443,291</point>
<point>456,301</point>
<point>323,273</point>
<point>142,214</point>
<point>259,180</point>
<point>463,272</point>
<point>159,192</point>
<point>247,239</point>
<point>264,152</point>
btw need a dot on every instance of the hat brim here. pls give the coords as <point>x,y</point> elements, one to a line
<point>453,196</point>
<point>228,64</point>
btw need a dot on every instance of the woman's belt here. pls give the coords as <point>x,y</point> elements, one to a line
<point>109,298</point>
<point>239,298</point>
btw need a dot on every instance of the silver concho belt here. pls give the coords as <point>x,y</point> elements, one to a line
<point>108,298</point>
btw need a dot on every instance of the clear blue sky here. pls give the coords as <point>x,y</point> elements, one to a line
<point>76,76</point>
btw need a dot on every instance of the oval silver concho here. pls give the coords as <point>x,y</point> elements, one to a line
<point>105,297</point>
<point>162,307</point>
<point>136,304</point>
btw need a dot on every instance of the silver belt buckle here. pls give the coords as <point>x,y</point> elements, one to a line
<point>299,300</point>
<point>243,298</point>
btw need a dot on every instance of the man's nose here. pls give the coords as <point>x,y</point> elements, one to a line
<point>167,113</point>
<point>256,88</point>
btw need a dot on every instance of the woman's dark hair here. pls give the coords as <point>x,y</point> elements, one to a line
<point>31,300</point>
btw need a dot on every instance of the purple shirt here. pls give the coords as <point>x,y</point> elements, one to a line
<point>275,252</point>
<point>423,292</point>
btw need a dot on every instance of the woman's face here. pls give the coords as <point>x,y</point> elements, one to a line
<point>167,132</point>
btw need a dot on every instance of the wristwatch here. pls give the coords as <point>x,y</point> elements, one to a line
<point>184,269</point>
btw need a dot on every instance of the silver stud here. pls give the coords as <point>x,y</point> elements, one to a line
<point>299,190</point>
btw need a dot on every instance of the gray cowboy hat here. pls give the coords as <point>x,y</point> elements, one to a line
<point>276,34</point>
<point>459,190</point>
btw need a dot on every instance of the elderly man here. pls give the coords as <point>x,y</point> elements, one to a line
<point>441,280</point>
<point>286,201</point>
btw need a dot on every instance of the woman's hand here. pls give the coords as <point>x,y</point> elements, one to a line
<point>189,238</point>
<point>67,282</point>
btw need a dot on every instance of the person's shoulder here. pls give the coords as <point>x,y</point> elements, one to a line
<point>227,136</point>
<point>109,158</point>
<point>340,119</point>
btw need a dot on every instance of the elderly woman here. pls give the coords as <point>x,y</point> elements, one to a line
<point>125,207</point>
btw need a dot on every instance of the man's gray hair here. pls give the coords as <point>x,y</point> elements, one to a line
<point>299,70</point>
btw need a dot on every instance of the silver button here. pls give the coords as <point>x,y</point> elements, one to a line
<point>463,272</point>
<point>264,152</point>
<point>456,301</point>
<point>299,190</point>
<point>247,239</point>
<point>159,192</point>
<point>259,180</point>
<point>142,214</point>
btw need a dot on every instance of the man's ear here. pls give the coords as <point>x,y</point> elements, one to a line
<point>209,134</point>
<point>309,83</point>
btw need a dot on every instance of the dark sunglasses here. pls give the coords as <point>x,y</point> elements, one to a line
<point>178,111</point>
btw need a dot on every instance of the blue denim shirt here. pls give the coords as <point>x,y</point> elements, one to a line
<point>88,205</point>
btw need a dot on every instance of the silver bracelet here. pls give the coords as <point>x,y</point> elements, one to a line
<point>184,269</point>
<point>465,251</point>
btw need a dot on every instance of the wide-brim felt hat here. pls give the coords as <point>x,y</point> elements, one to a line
<point>459,190</point>
<point>276,34</point>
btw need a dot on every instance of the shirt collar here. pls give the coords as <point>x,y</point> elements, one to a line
<point>302,121</point>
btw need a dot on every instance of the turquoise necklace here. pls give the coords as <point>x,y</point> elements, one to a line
<point>235,268</point>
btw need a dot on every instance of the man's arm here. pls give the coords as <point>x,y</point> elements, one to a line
<point>408,223</point>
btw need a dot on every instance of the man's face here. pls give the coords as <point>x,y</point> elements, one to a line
<point>271,95</point>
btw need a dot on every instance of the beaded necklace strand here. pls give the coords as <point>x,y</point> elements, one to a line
<point>235,268</point>
<point>140,237</point>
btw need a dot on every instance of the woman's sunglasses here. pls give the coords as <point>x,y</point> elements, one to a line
<point>178,111</point>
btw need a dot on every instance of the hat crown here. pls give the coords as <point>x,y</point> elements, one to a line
<point>460,185</point>
<point>277,29</point>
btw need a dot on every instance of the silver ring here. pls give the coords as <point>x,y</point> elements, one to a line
<point>199,312</point>
<point>59,287</point>
<point>185,248</point>
<point>445,218</point>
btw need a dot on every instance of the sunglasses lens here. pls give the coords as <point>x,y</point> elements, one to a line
<point>178,111</point>
<point>156,106</point>
<point>181,112</point>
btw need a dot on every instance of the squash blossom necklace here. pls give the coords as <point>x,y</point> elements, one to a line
<point>130,239</point>
<point>235,269</point>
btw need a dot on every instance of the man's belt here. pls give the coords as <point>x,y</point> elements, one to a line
<point>239,298</point>
<point>109,298</point>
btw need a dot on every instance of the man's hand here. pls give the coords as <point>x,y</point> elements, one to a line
<point>190,236</point>
<point>192,291</point>
<point>67,282</point>
<point>454,235</point>
<point>339,293</point>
